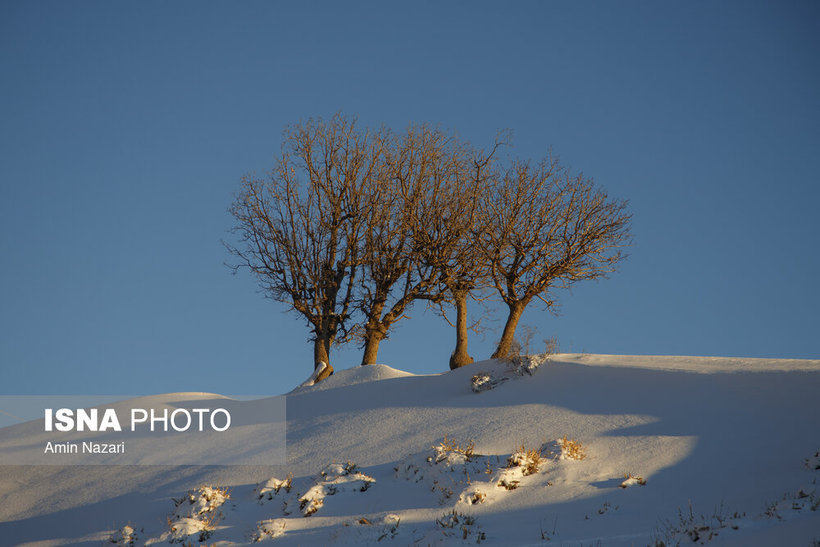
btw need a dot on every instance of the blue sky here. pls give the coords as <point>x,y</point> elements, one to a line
<point>127,126</point>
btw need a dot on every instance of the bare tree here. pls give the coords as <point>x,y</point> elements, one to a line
<point>355,222</point>
<point>449,244</point>
<point>547,229</point>
<point>417,165</point>
<point>301,229</point>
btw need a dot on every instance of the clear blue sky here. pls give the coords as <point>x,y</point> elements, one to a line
<point>127,126</point>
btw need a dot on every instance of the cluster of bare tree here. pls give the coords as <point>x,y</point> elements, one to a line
<point>354,225</point>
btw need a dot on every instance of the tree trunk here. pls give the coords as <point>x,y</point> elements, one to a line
<point>371,346</point>
<point>460,357</point>
<point>505,344</point>
<point>321,354</point>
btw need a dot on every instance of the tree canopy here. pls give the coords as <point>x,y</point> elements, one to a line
<point>354,225</point>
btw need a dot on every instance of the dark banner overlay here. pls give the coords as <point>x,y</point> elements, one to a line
<point>172,429</point>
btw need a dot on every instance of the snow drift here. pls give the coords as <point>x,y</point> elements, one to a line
<point>669,449</point>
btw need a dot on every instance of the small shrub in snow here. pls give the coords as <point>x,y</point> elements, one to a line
<point>771,510</point>
<point>454,518</point>
<point>521,349</point>
<point>448,447</point>
<point>445,491</point>
<point>482,381</point>
<point>798,502</point>
<point>632,480</point>
<point>606,508</point>
<point>124,536</point>
<point>521,463</point>
<point>521,365</point>
<point>527,364</point>
<point>697,529</point>
<point>349,468</point>
<point>456,524</point>
<point>272,487</point>
<point>473,496</point>
<point>311,502</point>
<point>182,529</point>
<point>529,460</point>
<point>508,483</point>
<point>547,535</point>
<point>449,471</point>
<point>813,462</point>
<point>521,345</point>
<point>390,527</point>
<point>333,479</point>
<point>550,345</point>
<point>268,529</point>
<point>571,449</point>
<point>205,499</point>
<point>196,514</point>
<point>368,531</point>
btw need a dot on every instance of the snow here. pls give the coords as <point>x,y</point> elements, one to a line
<point>320,368</point>
<point>353,376</point>
<point>677,449</point>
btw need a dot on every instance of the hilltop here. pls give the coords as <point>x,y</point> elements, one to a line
<point>670,449</point>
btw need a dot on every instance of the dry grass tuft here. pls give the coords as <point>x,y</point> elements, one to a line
<point>528,459</point>
<point>210,520</point>
<point>447,446</point>
<point>477,497</point>
<point>572,449</point>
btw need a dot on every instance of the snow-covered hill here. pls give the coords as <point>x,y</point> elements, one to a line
<point>672,449</point>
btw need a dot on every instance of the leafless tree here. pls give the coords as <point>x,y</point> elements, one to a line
<point>301,229</point>
<point>417,165</point>
<point>547,229</point>
<point>353,226</point>
<point>449,243</point>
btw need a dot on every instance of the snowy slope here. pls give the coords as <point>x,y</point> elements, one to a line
<point>720,443</point>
